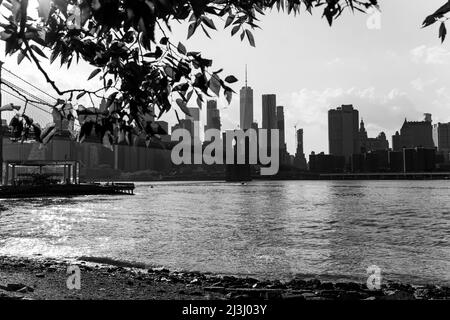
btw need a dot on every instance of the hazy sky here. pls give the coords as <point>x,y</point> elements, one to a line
<point>398,71</point>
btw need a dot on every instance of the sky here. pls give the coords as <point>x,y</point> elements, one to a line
<point>398,71</point>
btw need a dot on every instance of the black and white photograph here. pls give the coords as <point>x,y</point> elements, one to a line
<point>223,158</point>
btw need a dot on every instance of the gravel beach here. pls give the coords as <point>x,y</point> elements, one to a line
<point>46,279</point>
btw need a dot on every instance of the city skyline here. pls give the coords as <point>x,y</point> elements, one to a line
<point>308,78</point>
<point>239,158</point>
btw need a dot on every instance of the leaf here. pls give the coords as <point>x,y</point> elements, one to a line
<point>191,30</point>
<point>181,48</point>
<point>229,20</point>
<point>111,99</point>
<point>189,95</point>
<point>250,37</point>
<point>182,104</point>
<point>442,32</point>
<point>183,87</point>
<point>231,79</point>
<point>38,51</point>
<point>109,84</point>
<point>81,95</point>
<point>439,13</point>
<point>228,96</point>
<point>429,21</point>
<point>169,71</point>
<point>206,32</point>
<point>209,22</point>
<point>94,73</point>
<point>199,102</point>
<point>164,40</point>
<point>214,84</point>
<point>20,56</point>
<point>235,29</point>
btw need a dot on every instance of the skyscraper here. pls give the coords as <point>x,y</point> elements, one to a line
<point>269,114</point>
<point>343,135</point>
<point>246,105</point>
<point>441,138</point>
<point>280,126</point>
<point>300,160</point>
<point>300,142</point>
<point>195,118</point>
<point>284,156</point>
<point>212,115</point>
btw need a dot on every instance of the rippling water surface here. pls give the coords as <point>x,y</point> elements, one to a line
<point>334,229</point>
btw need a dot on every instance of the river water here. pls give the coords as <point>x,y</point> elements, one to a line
<point>268,229</point>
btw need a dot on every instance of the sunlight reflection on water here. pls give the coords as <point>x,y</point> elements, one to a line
<point>264,229</point>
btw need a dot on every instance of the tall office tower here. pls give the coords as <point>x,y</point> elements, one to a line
<point>300,141</point>
<point>414,134</point>
<point>343,134</point>
<point>195,118</point>
<point>269,114</point>
<point>212,115</point>
<point>441,138</point>
<point>300,160</point>
<point>362,138</point>
<point>280,126</point>
<point>269,117</point>
<point>246,105</point>
<point>284,156</point>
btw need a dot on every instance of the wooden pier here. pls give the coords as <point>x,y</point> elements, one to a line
<point>34,182</point>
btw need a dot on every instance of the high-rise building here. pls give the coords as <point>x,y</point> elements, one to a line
<point>195,118</point>
<point>300,142</point>
<point>212,115</point>
<point>362,137</point>
<point>269,113</point>
<point>246,105</point>
<point>269,116</point>
<point>414,134</point>
<point>300,160</point>
<point>441,138</point>
<point>343,135</point>
<point>284,157</point>
<point>280,126</point>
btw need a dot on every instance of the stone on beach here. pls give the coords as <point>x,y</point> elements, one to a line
<point>109,282</point>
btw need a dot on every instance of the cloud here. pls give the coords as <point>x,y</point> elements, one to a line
<point>381,111</point>
<point>430,55</point>
<point>420,84</point>
<point>335,61</point>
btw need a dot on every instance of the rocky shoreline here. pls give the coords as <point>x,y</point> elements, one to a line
<point>44,279</point>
